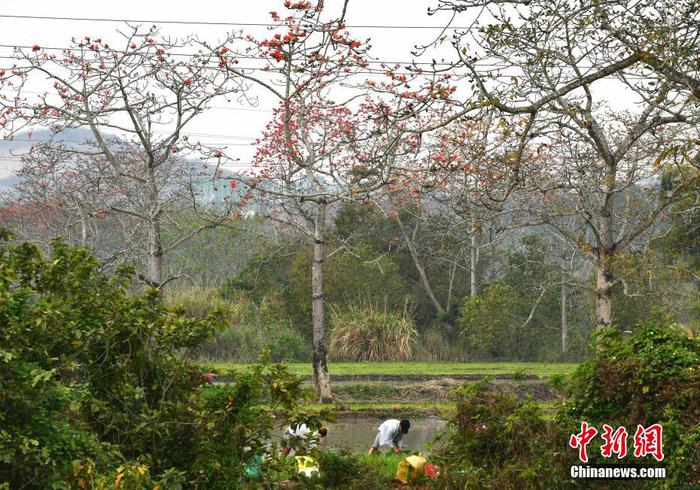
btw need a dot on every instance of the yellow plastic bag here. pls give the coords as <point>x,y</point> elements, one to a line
<point>414,463</point>
<point>307,466</point>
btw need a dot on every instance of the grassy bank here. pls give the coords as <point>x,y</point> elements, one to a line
<point>387,409</point>
<point>539,369</point>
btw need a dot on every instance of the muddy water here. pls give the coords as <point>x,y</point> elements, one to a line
<point>357,433</point>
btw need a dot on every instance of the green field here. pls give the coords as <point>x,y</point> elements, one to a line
<point>425,368</point>
<point>393,389</point>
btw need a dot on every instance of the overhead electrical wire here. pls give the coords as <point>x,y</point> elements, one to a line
<point>214,23</point>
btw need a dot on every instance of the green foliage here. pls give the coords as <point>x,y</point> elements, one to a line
<point>235,422</point>
<point>96,388</point>
<point>367,333</point>
<point>434,345</point>
<point>248,328</point>
<point>498,441</point>
<point>341,469</point>
<point>652,377</point>
<point>349,278</point>
<point>519,317</point>
<point>557,381</point>
<point>489,321</point>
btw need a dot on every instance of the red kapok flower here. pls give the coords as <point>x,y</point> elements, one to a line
<point>36,47</point>
<point>188,81</point>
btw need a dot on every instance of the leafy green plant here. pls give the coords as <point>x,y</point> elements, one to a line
<point>365,332</point>
<point>519,375</point>
<point>498,441</point>
<point>651,377</point>
<point>97,387</point>
<point>341,469</point>
<point>557,381</point>
<point>248,327</point>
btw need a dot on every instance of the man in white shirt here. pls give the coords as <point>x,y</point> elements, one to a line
<point>299,436</point>
<point>390,433</point>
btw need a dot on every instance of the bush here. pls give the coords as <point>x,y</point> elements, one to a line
<point>498,441</point>
<point>367,333</point>
<point>248,328</point>
<point>489,321</point>
<point>652,377</point>
<point>341,469</point>
<point>97,389</point>
<point>434,345</point>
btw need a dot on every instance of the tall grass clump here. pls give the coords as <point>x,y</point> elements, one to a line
<point>366,332</point>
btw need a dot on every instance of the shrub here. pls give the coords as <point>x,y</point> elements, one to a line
<point>435,345</point>
<point>249,328</point>
<point>557,381</point>
<point>489,321</point>
<point>97,389</point>
<point>341,469</point>
<point>652,377</point>
<point>495,440</point>
<point>367,333</point>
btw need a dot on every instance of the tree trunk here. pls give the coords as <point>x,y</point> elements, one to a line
<point>322,380</point>
<point>604,277</point>
<point>603,293</point>
<point>155,243</point>
<point>564,315</point>
<point>410,243</point>
<point>155,253</point>
<point>474,263</point>
<point>83,231</point>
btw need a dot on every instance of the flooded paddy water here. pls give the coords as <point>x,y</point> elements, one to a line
<point>356,433</point>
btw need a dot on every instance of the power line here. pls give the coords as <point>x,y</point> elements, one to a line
<point>386,65</point>
<point>250,57</point>
<point>218,23</point>
<point>382,71</point>
<point>22,140</point>
<point>244,109</point>
<point>223,165</point>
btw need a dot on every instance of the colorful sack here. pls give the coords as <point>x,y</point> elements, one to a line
<point>432,471</point>
<point>415,463</point>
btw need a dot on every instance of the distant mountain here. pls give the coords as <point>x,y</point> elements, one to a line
<point>11,151</point>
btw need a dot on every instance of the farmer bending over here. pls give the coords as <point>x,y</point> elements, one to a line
<point>390,434</point>
<point>299,436</point>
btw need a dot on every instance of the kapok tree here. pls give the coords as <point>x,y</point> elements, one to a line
<point>449,197</point>
<point>328,141</point>
<point>136,99</point>
<point>559,62</point>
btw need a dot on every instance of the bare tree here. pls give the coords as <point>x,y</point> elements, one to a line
<point>136,100</point>
<point>546,66</point>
